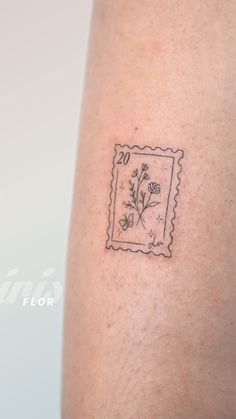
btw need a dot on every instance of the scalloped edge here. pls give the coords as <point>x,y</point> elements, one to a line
<point>174,151</point>
<point>176,195</point>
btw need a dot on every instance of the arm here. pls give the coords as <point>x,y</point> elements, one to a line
<point>152,336</point>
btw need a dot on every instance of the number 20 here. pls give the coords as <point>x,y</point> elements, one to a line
<point>124,158</point>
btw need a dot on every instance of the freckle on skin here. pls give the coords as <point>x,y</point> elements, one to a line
<point>108,325</point>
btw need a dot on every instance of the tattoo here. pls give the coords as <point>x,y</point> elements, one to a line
<point>144,187</point>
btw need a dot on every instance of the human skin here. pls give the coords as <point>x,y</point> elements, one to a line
<point>149,337</point>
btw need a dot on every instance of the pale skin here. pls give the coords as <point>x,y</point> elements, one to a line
<point>148,337</point>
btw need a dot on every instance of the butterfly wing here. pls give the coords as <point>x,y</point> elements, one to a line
<point>124,223</point>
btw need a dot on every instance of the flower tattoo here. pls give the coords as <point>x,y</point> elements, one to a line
<point>154,187</point>
<point>144,194</point>
<point>141,194</point>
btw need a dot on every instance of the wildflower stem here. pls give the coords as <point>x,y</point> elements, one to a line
<point>144,208</point>
<point>140,180</point>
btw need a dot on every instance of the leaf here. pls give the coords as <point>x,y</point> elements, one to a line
<point>153,204</point>
<point>128,205</point>
<point>131,185</point>
<point>135,173</point>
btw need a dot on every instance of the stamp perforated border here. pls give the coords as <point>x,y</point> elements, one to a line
<point>157,248</point>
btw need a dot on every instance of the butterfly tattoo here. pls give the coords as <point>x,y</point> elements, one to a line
<point>127,221</point>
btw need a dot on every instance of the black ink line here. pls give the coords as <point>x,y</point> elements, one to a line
<point>156,155</point>
<point>177,164</point>
<point>168,199</point>
<point>121,241</point>
<point>114,206</point>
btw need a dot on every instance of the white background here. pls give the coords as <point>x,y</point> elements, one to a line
<point>43,50</point>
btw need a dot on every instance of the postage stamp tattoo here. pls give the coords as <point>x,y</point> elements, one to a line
<point>143,199</point>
